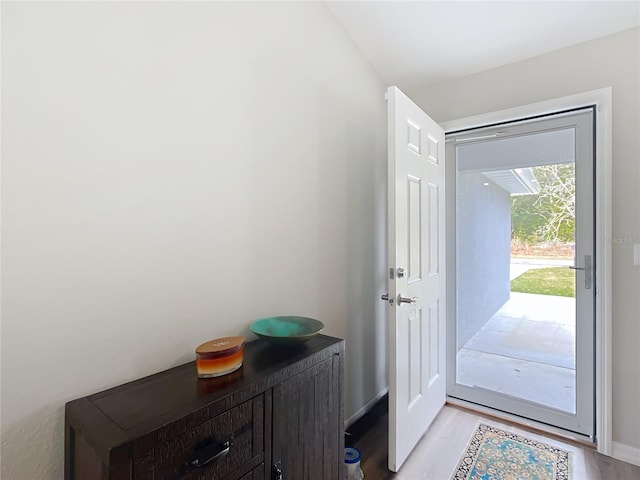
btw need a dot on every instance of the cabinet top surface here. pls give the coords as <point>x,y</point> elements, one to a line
<point>165,396</point>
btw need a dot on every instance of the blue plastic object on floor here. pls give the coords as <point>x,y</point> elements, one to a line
<point>352,457</point>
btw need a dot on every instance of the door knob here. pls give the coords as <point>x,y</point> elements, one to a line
<point>402,299</point>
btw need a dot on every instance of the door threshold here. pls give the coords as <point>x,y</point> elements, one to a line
<point>525,423</point>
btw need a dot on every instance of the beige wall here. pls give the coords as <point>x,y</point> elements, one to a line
<point>612,61</point>
<point>172,172</point>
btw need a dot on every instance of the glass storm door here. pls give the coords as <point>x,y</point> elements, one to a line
<point>521,334</point>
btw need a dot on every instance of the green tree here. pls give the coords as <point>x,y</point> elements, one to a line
<point>548,216</point>
<point>525,219</point>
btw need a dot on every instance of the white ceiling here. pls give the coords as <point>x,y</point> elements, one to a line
<point>426,42</point>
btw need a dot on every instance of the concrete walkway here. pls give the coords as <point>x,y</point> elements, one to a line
<point>521,265</point>
<point>526,350</point>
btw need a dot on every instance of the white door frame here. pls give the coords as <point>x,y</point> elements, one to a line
<point>603,310</point>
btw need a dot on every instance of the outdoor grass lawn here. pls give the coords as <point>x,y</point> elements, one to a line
<point>558,281</point>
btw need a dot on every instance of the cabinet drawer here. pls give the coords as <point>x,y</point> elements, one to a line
<point>219,445</point>
<point>255,474</point>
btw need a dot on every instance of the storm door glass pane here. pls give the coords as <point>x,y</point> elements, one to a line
<point>515,240</point>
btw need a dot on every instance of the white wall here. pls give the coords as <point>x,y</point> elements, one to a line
<point>171,172</point>
<point>612,61</point>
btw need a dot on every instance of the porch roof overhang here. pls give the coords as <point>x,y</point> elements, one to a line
<point>517,181</point>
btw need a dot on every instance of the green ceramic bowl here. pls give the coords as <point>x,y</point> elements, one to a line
<point>287,330</point>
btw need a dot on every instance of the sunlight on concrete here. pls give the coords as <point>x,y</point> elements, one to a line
<point>526,350</point>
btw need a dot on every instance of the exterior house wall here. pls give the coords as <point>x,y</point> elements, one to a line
<point>483,228</point>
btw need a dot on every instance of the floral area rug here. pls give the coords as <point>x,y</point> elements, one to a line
<point>493,454</point>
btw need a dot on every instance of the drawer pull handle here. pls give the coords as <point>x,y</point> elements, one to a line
<point>211,453</point>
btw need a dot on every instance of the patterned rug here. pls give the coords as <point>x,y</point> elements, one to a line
<point>493,454</point>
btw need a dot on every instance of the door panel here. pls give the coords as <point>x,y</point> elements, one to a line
<point>417,384</point>
<point>310,402</point>
<point>527,352</point>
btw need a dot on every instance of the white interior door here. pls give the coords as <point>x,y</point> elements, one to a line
<point>417,384</point>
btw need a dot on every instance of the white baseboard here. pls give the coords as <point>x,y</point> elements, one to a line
<point>626,453</point>
<point>360,413</point>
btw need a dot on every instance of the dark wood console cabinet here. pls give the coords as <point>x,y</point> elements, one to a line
<point>282,411</point>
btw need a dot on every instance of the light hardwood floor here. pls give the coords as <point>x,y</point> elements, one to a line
<point>437,455</point>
